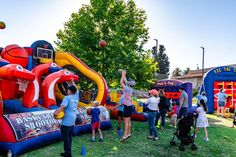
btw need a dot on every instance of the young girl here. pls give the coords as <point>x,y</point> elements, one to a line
<point>202,121</point>
<point>153,109</point>
<point>174,114</point>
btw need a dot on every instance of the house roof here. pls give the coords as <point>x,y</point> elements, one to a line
<point>197,73</point>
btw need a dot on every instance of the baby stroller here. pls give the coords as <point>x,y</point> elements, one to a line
<point>183,132</point>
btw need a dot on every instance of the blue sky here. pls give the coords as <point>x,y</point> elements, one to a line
<point>181,25</point>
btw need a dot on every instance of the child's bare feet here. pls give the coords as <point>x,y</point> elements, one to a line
<point>122,71</point>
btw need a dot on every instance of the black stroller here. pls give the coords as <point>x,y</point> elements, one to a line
<point>183,132</point>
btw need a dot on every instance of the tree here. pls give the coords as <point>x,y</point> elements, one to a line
<point>185,72</point>
<point>122,26</point>
<point>176,72</point>
<point>161,57</point>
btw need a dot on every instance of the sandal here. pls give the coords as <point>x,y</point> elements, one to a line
<point>123,139</point>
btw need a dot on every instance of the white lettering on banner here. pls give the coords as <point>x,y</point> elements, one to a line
<point>38,124</point>
<point>34,118</point>
<point>26,125</point>
<point>18,120</point>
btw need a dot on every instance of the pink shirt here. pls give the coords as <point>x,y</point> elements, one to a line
<point>127,96</point>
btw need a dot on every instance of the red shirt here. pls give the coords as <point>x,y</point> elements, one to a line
<point>174,109</point>
<point>227,105</point>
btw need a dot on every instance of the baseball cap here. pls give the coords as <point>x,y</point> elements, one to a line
<point>153,92</point>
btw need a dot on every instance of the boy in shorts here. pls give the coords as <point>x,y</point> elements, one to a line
<point>95,112</point>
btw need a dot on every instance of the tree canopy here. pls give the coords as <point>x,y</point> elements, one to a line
<point>185,72</point>
<point>122,25</point>
<point>163,66</point>
<point>176,72</point>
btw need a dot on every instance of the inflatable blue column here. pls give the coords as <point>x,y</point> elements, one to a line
<point>189,88</point>
<point>30,63</point>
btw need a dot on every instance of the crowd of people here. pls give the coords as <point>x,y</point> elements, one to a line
<point>157,107</point>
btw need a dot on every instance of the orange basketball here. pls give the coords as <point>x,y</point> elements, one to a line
<point>2,25</point>
<point>15,55</point>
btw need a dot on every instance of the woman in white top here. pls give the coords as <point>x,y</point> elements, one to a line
<point>152,106</point>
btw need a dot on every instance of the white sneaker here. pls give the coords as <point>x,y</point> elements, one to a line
<point>156,138</point>
<point>206,139</point>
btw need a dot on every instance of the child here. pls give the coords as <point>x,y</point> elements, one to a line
<point>234,118</point>
<point>120,113</point>
<point>95,112</point>
<point>174,114</point>
<point>227,107</point>
<point>202,121</point>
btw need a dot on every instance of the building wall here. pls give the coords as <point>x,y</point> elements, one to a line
<point>199,82</point>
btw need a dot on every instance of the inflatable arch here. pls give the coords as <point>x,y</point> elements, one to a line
<point>171,88</point>
<point>215,79</point>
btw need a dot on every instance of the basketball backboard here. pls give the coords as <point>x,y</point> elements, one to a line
<point>44,53</point>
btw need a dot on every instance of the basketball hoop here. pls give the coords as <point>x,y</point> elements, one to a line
<point>22,84</point>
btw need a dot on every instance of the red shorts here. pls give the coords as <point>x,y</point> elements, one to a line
<point>96,125</point>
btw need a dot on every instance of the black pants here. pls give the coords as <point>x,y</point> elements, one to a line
<point>162,114</point>
<point>183,112</point>
<point>66,133</point>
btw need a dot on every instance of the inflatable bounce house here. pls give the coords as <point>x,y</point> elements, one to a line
<point>215,79</point>
<point>31,81</point>
<point>114,99</point>
<point>171,88</point>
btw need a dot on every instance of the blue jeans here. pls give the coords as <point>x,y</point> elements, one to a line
<point>66,133</point>
<point>151,123</point>
<point>163,118</point>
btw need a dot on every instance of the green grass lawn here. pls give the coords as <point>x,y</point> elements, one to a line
<point>222,143</point>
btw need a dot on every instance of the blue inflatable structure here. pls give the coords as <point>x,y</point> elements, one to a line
<point>215,79</point>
